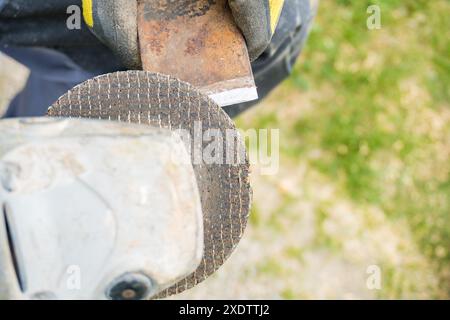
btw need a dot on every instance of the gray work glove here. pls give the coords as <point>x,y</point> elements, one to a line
<point>257,20</point>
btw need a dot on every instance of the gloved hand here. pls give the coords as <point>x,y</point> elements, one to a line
<point>257,20</point>
<point>115,23</point>
<point>32,23</point>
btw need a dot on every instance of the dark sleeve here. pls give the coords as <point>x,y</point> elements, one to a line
<point>43,23</point>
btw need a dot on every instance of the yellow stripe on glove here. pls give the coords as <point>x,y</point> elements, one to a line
<point>87,13</point>
<point>275,7</point>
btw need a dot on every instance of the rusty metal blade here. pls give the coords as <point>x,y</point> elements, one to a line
<point>198,42</point>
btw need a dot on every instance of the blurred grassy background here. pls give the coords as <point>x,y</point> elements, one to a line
<point>368,112</point>
<point>365,163</point>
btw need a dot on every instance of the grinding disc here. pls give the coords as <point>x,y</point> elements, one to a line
<point>163,101</point>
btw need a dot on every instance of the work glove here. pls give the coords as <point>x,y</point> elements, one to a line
<point>115,23</point>
<point>257,20</point>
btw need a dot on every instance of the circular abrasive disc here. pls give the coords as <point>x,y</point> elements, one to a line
<point>166,102</point>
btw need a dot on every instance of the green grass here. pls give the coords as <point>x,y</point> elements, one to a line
<point>376,97</point>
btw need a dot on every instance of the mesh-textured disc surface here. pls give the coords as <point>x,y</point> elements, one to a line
<point>163,101</point>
